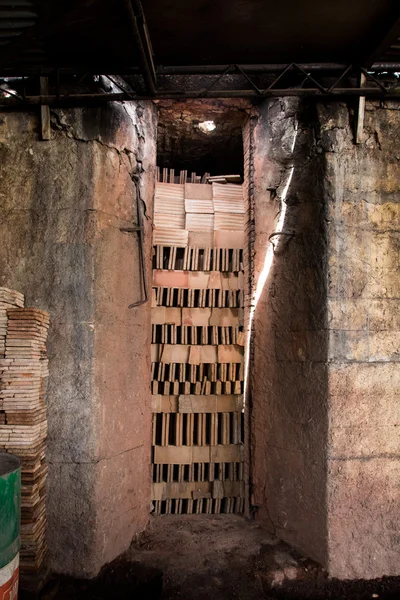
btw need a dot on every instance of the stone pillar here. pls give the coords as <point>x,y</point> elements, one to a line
<point>324,402</point>
<point>62,205</point>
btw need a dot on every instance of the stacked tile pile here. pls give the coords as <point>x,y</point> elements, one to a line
<point>8,299</point>
<point>23,425</point>
<point>197,348</point>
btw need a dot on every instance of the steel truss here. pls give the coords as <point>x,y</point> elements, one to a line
<point>321,80</point>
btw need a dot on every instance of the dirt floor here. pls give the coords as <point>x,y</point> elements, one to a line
<point>222,557</point>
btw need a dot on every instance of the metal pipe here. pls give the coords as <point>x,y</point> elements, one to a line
<point>145,68</point>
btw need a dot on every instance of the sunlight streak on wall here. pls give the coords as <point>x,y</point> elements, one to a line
<point>268,261</point>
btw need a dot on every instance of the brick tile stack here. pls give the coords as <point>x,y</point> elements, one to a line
<point>197,348</point>
<point>23,424</point>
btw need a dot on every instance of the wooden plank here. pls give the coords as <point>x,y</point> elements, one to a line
<point>360,114</point>
<point>45,110</point>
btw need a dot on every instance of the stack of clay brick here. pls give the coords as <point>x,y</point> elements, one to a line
<point>23,424</point>
<point>197,350</point>
<point>202,216</point>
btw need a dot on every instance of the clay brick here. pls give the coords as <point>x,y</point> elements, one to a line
<point>201,239</point>
<point>164,404</point>
<point>198,191</point>
<point>230,354</point>
<point>174,353</point>
<point>199,222</point>
<point>169,220</point>
<point>229,221</point>
<point>196,316</point>
<point>199,280</point>
<point>170,237</point>
<point>172,279</point>
<point>229,239</point>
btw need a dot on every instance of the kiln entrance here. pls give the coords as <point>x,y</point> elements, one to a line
<point>197,333</point>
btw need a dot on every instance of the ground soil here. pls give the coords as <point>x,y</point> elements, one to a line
<point>222,557</point>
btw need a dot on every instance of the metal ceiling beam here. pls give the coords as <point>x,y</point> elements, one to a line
<point>142,42</point>
<point>328,68</point>
<point>390,37</point>
<point>101,98</point>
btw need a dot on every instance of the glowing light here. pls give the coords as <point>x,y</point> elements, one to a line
<point>207,126</point>
<point>268,260</point>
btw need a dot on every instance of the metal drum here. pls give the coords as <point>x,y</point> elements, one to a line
<point>10,509</point>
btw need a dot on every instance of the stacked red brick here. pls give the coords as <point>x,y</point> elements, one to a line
<point>23,424</point>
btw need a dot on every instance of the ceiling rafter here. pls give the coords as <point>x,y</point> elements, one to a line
<point>142,42</point>
<point>391,36</point>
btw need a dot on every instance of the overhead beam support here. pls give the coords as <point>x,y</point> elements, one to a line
<point>45,110</point>
<point>101,98</point>
<point>260,69</point>
<point>390,37</point>
<point>360,114</point>
<point>142,42</point>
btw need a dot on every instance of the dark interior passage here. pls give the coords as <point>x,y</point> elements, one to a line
<point>182,145</point>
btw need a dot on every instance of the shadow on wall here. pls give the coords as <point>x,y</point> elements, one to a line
<point>289,379</point>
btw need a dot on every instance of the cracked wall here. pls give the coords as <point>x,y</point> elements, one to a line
<point>324,402</point>
<point>62,204</point>
<point>289,376</point>
<point>362,191</point>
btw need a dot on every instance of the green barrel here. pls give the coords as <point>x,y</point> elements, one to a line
<point>10,507</point>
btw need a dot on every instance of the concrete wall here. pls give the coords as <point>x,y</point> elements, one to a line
<point>289,378</point>
<point>62,204</point>
<point>323,405</point>
<point>324,402</point>
<point>362,191</point>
